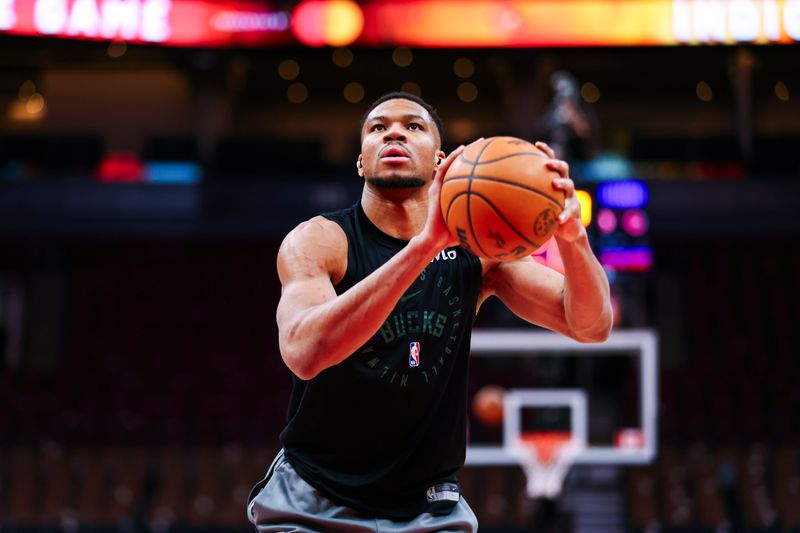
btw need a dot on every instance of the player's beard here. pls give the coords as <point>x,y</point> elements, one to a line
<point>412,182</point>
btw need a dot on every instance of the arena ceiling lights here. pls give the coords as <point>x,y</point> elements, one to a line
<point>414,23</point>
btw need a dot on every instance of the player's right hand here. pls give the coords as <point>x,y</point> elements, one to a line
<point>435,228</point>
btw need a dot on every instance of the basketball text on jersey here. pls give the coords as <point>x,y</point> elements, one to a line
<point>444,255</point>
<point>411,323</point>
<point>403,323</point>
<point>413,354</point>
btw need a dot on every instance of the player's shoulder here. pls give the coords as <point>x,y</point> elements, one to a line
<point>318,232</point>
<point>315,245</point>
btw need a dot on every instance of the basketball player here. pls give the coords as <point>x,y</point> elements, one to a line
<point>374,319</point>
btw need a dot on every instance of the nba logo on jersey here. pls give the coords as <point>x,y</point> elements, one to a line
<point>413,354</point>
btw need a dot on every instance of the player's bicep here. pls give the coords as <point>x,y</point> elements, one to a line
<point>309,259</point>
<point>531,291</point>
<point>304,293</point>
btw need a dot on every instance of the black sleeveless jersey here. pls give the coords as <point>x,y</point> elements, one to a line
<point>385,429</point>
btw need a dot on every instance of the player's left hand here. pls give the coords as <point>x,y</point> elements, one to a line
<point>570,227</point>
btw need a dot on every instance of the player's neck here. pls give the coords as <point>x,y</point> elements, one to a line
<point>400,213</point>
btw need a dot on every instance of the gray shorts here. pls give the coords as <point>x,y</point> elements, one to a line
<point>284,502</point>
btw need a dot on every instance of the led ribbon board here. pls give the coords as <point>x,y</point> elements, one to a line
<point>416,23</point>
<point>541,23</point>
<point>167,22</point>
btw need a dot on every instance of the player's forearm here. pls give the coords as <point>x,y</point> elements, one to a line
<point>587,300</point>
<point>326,334</point>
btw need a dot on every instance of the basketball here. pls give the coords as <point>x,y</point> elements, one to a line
<point>498,200</point>
<point>488,405</point>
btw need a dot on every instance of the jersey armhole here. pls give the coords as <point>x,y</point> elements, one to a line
<point>476,275</point>
<point>477,271</point>
<point>348,258</point>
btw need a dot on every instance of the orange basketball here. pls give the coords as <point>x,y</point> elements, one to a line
<point>498,199</point>
<point>488,405</point>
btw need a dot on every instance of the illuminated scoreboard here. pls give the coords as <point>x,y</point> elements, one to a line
<point>623,242</point>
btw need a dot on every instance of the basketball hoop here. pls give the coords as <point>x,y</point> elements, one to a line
<point>546,457</point>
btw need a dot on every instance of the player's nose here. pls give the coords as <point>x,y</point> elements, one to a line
<point>394,133</point>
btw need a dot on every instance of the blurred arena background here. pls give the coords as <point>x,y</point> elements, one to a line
<point>153,153</point>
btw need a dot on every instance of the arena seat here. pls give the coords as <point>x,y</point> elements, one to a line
<point>642,498</point>
<point>758,505</point>
<point>24,475</point>
<point>786,476</point>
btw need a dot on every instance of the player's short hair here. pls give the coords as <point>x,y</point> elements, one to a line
<point>402,95</point>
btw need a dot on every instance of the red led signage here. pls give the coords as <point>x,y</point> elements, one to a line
<point>169,22</point>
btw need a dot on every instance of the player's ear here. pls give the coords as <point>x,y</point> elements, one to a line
<point>360,165</point>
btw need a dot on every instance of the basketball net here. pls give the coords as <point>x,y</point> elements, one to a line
<point>546,457</point>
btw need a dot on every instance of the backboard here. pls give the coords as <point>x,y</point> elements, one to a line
<point>604,394</point>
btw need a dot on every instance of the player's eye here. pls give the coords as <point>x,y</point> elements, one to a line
<point>377,127</point>
<point>414,126</point>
